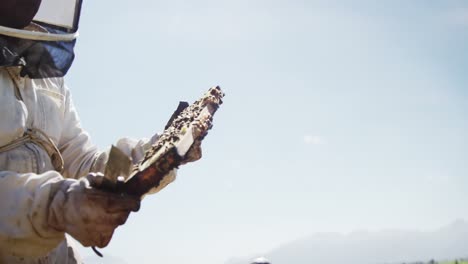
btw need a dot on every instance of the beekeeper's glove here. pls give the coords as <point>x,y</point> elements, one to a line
<point>88,214</point>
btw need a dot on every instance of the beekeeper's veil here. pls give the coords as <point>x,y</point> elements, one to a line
<point>43,48</point>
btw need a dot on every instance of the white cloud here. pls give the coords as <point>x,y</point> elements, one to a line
<point>314,140</point>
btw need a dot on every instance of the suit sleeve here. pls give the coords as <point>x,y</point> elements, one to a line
<point>24,229</point>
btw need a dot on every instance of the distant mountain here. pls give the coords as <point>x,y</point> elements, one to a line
<point>362,247</point>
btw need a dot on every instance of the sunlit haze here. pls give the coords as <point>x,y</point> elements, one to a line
<point>338,116</point>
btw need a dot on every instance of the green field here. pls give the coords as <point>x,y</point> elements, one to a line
<point>453,262</point>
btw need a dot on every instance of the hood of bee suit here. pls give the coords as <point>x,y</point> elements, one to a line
<point>39,36</point>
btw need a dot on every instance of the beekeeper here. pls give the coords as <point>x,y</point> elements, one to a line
<point>49,184</point>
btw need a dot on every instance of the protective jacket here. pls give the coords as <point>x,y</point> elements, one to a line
<point>37,120</point>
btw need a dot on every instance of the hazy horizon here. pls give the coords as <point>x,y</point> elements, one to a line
<point>445,243</point>
<point>395,246</point>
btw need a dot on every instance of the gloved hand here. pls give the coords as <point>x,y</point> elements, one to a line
<point>88,214</point>
<point>194,153</point>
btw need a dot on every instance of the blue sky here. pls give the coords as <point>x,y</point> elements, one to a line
<point>338,116</point>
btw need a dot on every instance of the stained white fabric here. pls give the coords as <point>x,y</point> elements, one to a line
<point>27,174</point>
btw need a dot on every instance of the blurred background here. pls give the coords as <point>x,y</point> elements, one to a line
<point>339,117</point>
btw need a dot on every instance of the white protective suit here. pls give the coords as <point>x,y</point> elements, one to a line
<point>27,169</point>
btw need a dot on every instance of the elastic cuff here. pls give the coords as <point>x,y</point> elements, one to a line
<point>55,216</point>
